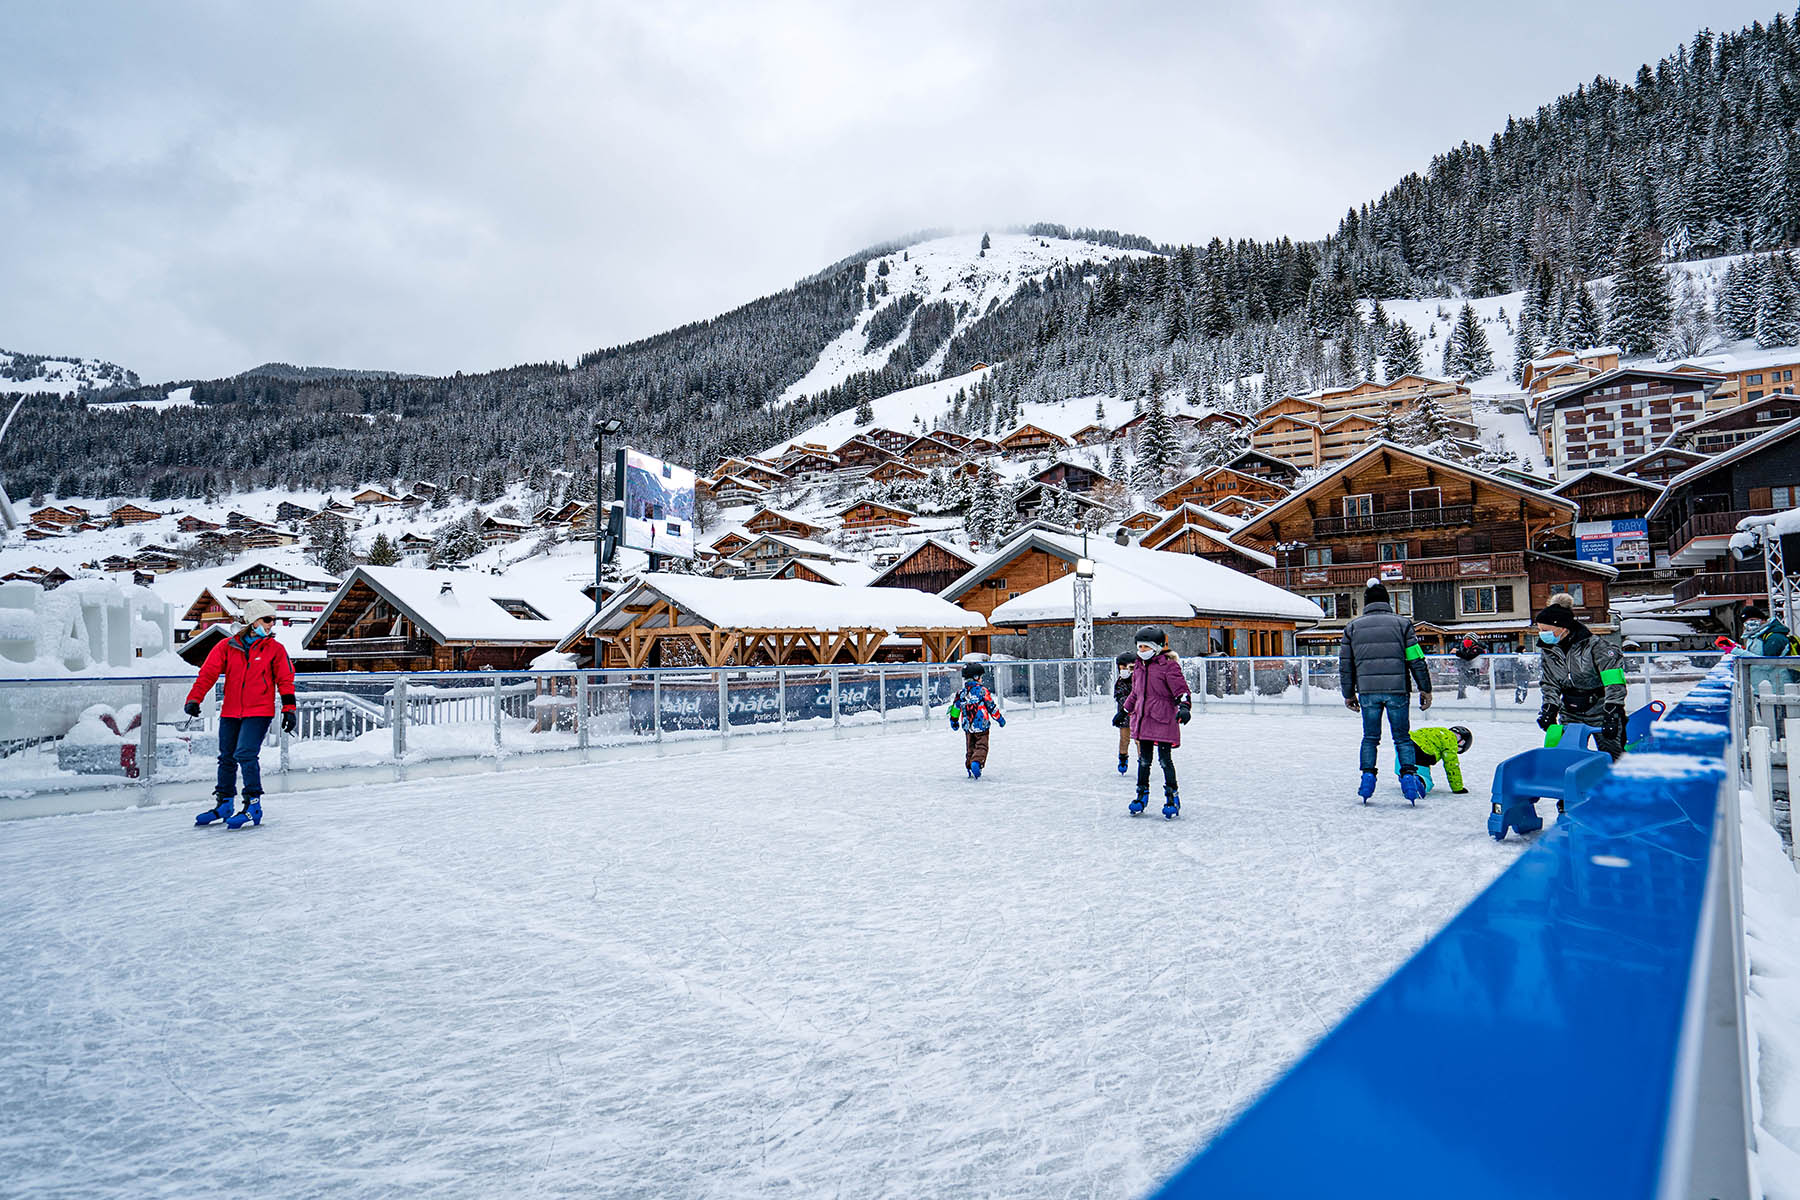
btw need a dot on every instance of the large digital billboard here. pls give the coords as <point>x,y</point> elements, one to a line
<point>1616,543</point>
<point>658,502</point>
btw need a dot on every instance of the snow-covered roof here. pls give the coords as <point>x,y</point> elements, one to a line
<point>460,606</point>
<point>1724,458</point>
<point>849,573</point>
<point>1218,537</point>
<point>782,604</point>
<point>1647,629</point>
<point>1627,480</point>
<point>785,515</point>
<point>1555,396</point>
<point>298,570</point>
<point>873,503</point>
<point>799,547</point>
<point>1733,362</point>
<point>1199,587</point>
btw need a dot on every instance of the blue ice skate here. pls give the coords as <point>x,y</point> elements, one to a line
<point>218,812</point>
<point>1139,803</point>
<point>1123,764</point>
<point>1171,806</point>
<point>1366,788</point>
<point>250,813</point>
<point>975,770</point>
<point>1412,787</point>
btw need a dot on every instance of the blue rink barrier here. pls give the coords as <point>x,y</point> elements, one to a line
<point>1576,1031</point>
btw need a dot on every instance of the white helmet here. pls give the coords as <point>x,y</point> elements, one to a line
<point>255,610</point>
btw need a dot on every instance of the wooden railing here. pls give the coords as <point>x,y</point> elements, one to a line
<point>1720,583</point>
<point>387,647</point>
<point>1721,524</point>
<point>1413,570</point>
<point>1405,518</point>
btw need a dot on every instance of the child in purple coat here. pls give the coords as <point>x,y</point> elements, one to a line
<point>1158,706</point>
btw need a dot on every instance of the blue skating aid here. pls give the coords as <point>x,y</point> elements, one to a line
<point>974,770</point>
<point>251,813</point>
<point>1411,787</point>
<point>1520,815</point>
<point>1139,803</point>
<point>1366,788</point>
<point>218,812</point>
<point>1171,806</point>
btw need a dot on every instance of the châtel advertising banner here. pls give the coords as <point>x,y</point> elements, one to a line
<point>695,705</point>
<point>1615,543</point>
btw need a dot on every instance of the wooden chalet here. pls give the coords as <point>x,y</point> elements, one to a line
<point>497,531</point>
<point>1720,431</point>
<point>930,450</point>
<point>981,447</point>
<point>53,516</point>
<point>931,566</point>
<point>693,621</point>
<point>1453,544</point>
<point>1704,504</point>
<point>891,440</point>
<point>737,489</point>
<point>848,573</point>
<point>1189,530</point>
<point>413,543</point>
<point>811,464</point>
<point>131,514</point>
<point>193,524</point>
<point>775,520</point>
<point>372,496</point>
<point>1026,590</point>
<point>1660,465</point>
<point>567,515</point>
<point>39,533</point>
<point>239,520</point>
<point>860,453</point>
<point>1606,497</point>
<point>1265,466</point>
<point>1208,487</point>
<point>1032,498</point>
<point>1030,439</point>
<point>766,553</point>
<point>893,470</point>
<point>261,576</point>
<point>406,619</point>
<point>1143,520</point>
<point>959,440</point>
<point>755,471</point>
<point>1240,508</point>
<point>269,539</point>
<point>730,542</point>
<point>870,516</point>
<point>1091,435</point>
<point>1071,476</point>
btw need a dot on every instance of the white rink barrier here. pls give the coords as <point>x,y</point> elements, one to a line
<point>122,737</point>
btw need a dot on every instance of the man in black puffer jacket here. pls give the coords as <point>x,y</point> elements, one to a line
<point>1378,663</point>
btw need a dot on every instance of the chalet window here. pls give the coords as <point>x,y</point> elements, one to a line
<point>1402,600</point>
<point>1478,600</point>
<point>1577,592</point>
<point>1773,414</point>
<point>1318,556</point>
<point>1329,604</point>
<point>1784,497</point>
<point>1755,395</point>
<point>1362,505</point>
<point>1391,551</point>
<point>1757,378</point>
<point>1427,497</point>
<point>1503,597</point>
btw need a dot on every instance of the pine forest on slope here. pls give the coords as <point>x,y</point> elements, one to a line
<point>1696,157</point>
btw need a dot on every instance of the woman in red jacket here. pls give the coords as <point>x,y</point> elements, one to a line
<point>256,670</point>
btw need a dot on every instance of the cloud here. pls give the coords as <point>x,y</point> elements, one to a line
<point>192,188</point>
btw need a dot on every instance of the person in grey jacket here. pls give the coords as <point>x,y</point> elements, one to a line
<point>1584,677</point>
<point>1378,663</point>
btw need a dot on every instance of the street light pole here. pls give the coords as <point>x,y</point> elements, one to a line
<point>602,510</point>
<point>1083,647</point>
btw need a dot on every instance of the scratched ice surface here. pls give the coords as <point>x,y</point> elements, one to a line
<point>823,966</point>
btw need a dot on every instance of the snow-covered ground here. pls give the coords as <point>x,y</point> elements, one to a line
<point>174,398</point>
<point>59,376</point>
<point>816,966</point>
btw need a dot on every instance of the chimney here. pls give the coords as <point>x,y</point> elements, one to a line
<point>447,589</point>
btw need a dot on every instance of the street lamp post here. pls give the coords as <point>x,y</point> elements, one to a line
<point>602,510</point>
<point>1084,619</point>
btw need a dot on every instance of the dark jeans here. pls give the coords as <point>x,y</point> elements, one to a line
<point>1163,752</point>
<point>240,738</point>
<point>1399,723</point>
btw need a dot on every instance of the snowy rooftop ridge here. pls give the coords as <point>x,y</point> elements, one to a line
<point>457,606</point>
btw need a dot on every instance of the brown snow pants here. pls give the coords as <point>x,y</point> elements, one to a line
<point>977,747</point>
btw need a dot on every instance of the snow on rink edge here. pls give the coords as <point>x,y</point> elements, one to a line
<point>836,968</point>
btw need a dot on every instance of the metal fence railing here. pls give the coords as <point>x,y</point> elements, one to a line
<point>59,735</point>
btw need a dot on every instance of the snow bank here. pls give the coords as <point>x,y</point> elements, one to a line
<point>1772,1003</point>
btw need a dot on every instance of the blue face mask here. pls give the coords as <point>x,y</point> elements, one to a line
<point>1549,639</point>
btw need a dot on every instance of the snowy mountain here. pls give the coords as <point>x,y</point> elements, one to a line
<point>35,374</point>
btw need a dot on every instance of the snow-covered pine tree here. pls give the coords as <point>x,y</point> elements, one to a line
<point>1468,355</point>
<point>1157,449</point>
<point>1583,323</point>
<point>1737,298</point>
<point>1400,353</point>
<point>1115,462</point>
<point>1642,303</point>
<point>865,408</point>
<point>1778,303</point>
<point>382,552</point>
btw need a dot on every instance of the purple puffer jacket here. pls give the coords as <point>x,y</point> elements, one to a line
<point>1157,687</point>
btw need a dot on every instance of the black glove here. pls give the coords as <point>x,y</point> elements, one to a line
<point>1184,712</point>
<point>290,721</point>
<point>1424,701</point>
<point>1459,791</point>
<point>191,708</point>
<point>1613,724</point>
<point>1121,720</point>
<point>1547,715</point>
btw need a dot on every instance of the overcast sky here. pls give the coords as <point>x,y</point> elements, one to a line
<point>190,189</point>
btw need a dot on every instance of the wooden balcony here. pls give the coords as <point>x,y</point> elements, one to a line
<point>1721,585</point>
<point>1414,570</point>
<point>1710,525</point>
<point>1450,515</point>
<point>387,647</point>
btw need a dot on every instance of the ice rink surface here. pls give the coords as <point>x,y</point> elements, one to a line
<point>811,966</point>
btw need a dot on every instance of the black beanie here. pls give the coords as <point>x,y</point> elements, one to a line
<point>1560,615</point>
<point>1375,593</point>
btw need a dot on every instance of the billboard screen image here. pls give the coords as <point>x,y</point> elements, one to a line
<point>658,499</point>
<point>1615,543</point>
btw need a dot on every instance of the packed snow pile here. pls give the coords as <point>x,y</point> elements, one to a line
<point>105,741</point>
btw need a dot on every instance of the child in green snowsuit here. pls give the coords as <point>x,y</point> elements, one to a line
<point>1433,744</point>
